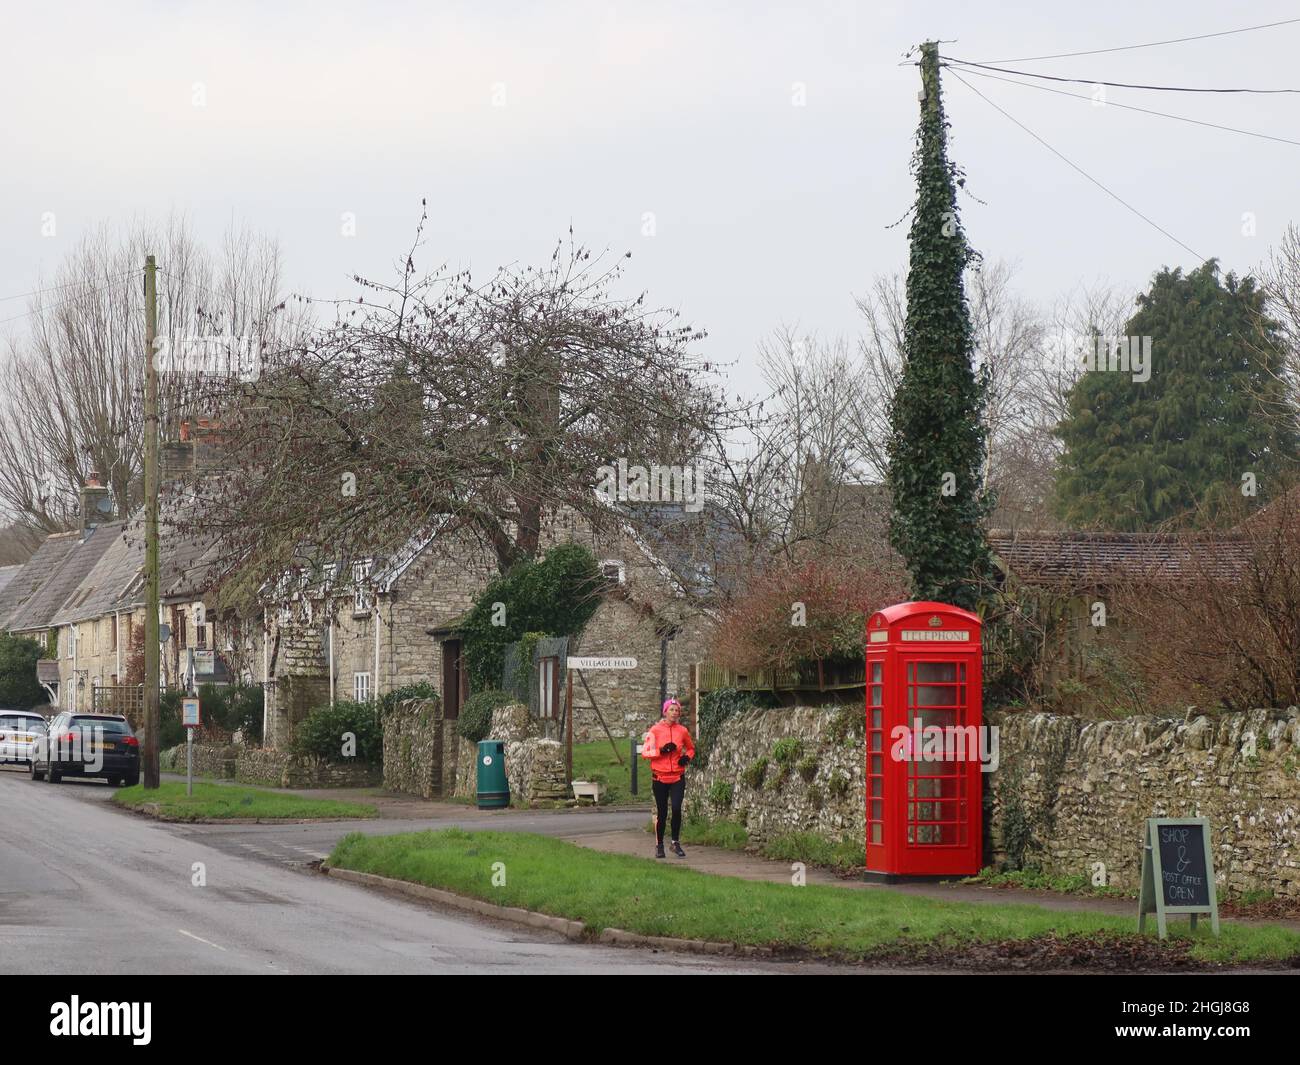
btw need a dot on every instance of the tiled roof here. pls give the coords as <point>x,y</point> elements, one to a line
<point>1095,558</point>
<point>62,580</point>
<point>35,571</point>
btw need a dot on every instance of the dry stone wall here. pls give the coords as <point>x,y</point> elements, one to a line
<point>819,788</point>
<point>1071,793</point>
<point>535,766</point>
<point>415,739</point>
<point>1069,796</point>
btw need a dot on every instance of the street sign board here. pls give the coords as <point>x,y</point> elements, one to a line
<point>602,663</point>
<point>204,662</point>
<point>190,713</point>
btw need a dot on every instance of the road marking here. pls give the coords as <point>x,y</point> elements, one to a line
<point>199,938</point>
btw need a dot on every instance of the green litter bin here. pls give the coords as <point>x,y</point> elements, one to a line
<point>493,788</point>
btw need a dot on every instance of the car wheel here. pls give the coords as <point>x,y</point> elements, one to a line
<point>37,774</point>
<point>131,781</point>
<point>55,776</point>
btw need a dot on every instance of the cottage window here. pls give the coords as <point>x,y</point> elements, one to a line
<point>548,686</point>
<point>362,600</point>
<point>361,687</point>
<point>613,570</point>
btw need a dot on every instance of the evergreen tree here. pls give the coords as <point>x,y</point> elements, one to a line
<point>19,688</point>
<point>937,442</point>
<point>1207,419</point>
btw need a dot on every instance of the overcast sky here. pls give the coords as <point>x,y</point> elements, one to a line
<point>517,119</point>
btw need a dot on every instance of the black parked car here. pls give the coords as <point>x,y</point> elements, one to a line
<point>89,745</point>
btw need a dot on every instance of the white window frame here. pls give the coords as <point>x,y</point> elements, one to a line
<point>548,669</point>
<point>622,570</point>
<point>361,687</point>
<point>363,599</point>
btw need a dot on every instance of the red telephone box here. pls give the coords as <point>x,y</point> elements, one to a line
<point>924,742</point>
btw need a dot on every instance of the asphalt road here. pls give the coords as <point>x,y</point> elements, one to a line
<point>88,889</point>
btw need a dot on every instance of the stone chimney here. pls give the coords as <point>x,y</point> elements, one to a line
<point>96,504</point>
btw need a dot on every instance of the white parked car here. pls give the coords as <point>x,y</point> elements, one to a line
<point>21,731</point>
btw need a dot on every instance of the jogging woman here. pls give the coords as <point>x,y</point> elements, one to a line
<point>669,747</point>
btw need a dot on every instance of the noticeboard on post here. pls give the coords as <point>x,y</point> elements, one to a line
<point>190,713</point>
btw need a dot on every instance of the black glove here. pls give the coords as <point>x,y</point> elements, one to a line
<point>684,760</point>
<point>668,748</point>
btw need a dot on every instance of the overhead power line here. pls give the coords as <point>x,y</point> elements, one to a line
<point>1130,107</point>
<point>1114,84</point>
<point>73,299</point>
<point>1148,44</point>
<point>1113,195</point>
<point>59,288</point>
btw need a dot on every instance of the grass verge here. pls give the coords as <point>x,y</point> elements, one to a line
<point>1034,880</point>
<point>222,801</point>
<point>640,895</point>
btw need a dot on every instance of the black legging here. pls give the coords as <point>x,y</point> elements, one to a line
<point>662,792</point>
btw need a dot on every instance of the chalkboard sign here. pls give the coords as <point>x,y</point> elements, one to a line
<point>1177,871</point>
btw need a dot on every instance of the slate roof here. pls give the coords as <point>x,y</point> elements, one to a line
<point>8,573</point>
<point>693,545</point>
<point>103,589</point>
<point>35,571</point>
<point>61,580</point>
<point>1092,558</point>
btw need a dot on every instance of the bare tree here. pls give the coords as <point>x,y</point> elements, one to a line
<point>884,314</point>
<point>441,403</point>
<point>72,400</point>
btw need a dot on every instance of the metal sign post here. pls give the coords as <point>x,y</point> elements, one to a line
<point>190,719</point>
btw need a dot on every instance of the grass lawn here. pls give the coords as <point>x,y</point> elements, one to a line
<point>597,761</point>
<point>640,895</point>
<point>230,800</point>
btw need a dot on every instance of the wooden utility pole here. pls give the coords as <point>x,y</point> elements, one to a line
<point>930,75</point>
<point>151,643</point>
<point>568,722</point>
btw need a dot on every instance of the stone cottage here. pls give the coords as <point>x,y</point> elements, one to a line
<point>388,624</point>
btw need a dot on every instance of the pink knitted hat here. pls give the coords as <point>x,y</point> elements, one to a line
<point>667,704</point>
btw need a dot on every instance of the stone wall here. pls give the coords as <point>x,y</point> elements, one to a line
<point>210,760</point>
<point>278,769</point>
<point>415,739</point>
<point>1070,793</point>
<point>535,767</point>
<point>268,768</point>
<point>821,789</point>
<point>295,695</point>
